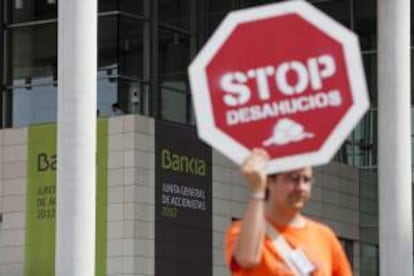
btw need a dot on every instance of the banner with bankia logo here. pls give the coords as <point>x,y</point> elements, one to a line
<point>41,200</point>
<point>183,202</point>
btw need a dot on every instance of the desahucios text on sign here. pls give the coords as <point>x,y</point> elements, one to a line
<point>303,76</point>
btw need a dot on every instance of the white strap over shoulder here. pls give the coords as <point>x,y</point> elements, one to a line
<point>282,247</point>
<point>295,259</point>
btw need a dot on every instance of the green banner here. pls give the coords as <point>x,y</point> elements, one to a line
<point>41,200</point>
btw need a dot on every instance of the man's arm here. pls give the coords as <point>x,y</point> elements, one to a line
<point>250,242</point>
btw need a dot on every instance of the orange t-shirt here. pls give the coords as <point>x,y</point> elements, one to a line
<point>316,240</point>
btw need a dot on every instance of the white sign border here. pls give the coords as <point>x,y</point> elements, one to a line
<point>219,140</point>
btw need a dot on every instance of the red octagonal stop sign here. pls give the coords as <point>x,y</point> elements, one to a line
<point>284,77</point>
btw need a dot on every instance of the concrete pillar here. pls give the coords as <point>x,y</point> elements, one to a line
<point>394,138</point>
<point>76,180</point>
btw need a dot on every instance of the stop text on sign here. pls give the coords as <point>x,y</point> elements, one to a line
<point>308,74</point>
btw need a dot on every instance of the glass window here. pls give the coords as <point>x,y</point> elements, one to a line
<point>217,10</point>
<point>412,25</point>
<point>360,147</point>
<point>368,210</point>
<point>220,5</point>
<point>107,5</point>
<point>339,10</point>
<point>174,102</point>
<point>370,66</point>
<point>106,91</point>
<point>366,23</point>
<point>107,64</point>
<point>31,10</point>
<point>174,55</point>
<point>38,104</point>
<point>175,12</point>
<point>33,55</point>
<point>34,66</point>
<point>35,104</point>
<point>107,41</point>
<point>369,263</point>
<point>133,6</point>
<point>251,3</point>
<point>131,48</point>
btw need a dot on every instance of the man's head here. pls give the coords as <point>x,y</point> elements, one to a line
<point>289,191</point>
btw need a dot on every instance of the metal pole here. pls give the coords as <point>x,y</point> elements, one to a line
<point>394,168</point>
<point>76,180</point>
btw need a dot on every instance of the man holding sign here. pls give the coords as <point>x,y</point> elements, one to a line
<point>274,237</point>
<point>286,78</point>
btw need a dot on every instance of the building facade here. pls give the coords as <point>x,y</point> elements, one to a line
<point>164,200</point>
<point>144,48</point>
